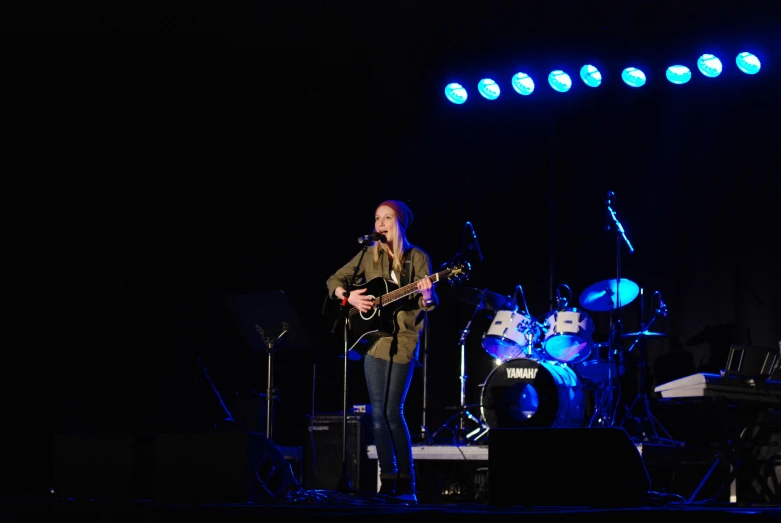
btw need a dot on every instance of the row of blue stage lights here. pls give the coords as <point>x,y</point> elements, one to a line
<point>708,64</point>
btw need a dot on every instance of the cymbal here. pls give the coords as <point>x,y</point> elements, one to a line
<point>475,297</point>
<point>649,334</point>
<point>602,295</point>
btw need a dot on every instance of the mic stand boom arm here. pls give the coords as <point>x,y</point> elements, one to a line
<point>620,229</point>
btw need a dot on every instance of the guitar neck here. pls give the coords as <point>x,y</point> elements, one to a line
<point>451,273</point>
<point>412,288</point>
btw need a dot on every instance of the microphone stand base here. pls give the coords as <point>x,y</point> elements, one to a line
<point>345,486</point>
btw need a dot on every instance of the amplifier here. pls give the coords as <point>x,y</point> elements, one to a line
<point>323,463</point>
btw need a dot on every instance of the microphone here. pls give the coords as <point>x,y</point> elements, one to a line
<point>477,244</point>
<point>662,305</point>
<point>610,196</point>
<point>373,237</point>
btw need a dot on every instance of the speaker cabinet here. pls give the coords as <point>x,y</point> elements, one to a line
<point>565,467</point>
<point>219,467</point>
<point>323,453</point>
<point>95,465</point>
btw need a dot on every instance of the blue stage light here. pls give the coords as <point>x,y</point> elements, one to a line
<point>709,65</point>
<point>523,84</point>
<point>679,74</point>
<point>456,93</point>
<point>590,76</point>
<point>488,88</point>
<point>748,63</point>
<point>560,81</point>
<point>633,77</point>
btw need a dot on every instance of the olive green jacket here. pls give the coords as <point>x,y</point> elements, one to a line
<point>409,319</point>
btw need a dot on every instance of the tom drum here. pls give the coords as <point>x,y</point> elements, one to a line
<point>568,335</point>
<point>511,335</point>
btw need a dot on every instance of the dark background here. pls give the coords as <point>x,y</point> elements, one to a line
<point>161,159</point>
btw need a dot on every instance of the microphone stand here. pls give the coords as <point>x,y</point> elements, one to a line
<point>615,314</point>
<point>423,425</point>
<point>345,484</point>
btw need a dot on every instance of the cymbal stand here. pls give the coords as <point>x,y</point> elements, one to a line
<point>462,412</point>
<point>646,419</point>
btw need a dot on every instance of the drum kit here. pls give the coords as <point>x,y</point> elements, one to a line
<point>546,366</point>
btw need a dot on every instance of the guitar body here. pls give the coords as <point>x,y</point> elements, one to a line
<point>363,329</point>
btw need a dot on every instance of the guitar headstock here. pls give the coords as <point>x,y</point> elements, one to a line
<point>459,271</point>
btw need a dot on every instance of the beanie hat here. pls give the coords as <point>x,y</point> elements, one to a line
<point>403,212</point>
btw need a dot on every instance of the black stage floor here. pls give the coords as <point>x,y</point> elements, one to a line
<point>536,473</point>
<point>681,487</point>
<point>343,506</point>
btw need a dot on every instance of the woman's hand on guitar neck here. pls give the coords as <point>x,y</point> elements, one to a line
<point>426,288</point>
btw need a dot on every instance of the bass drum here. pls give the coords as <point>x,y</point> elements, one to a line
<point>530,393</point>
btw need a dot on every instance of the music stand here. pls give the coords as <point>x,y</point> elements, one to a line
<point>750,362</point>
<point>266,319</point>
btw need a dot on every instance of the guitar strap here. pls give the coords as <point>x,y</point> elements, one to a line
<point>406,272</point>
<point>405,278</point>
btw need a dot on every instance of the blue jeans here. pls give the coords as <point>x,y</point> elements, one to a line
<point>388,383</point>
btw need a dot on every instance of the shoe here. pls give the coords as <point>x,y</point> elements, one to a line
<point>405,490</point>
<point>388,484</point>
<point>387,488</point>
<point>408,498</point>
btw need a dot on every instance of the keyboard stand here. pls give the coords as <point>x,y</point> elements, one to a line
<point>742,453</point>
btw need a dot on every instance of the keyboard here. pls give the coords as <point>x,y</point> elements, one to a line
<point>705,384</point>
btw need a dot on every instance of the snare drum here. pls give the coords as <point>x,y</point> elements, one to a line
<point>510,335</point>
<point>568,337</point>
<point>524,393</point>
<point>600,367</point>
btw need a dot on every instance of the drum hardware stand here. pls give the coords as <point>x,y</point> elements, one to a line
<point>603,415</point>
<point>463,411</point>
<point>529,330</point>
<point>647,419</point>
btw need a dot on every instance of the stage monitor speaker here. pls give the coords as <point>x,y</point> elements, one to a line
<point>95,465</point>
<point>323,453</point>
<point>220,467</point>
<point>596,467</point>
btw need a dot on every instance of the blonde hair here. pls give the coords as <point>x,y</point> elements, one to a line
<point>399,246</point>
